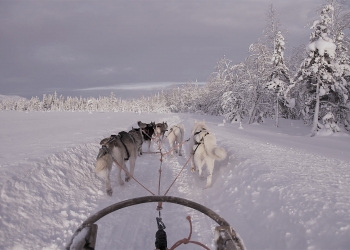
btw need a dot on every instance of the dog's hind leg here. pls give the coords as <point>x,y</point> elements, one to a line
<point>109,189</point>
<point>139,150</point>
<point>103,168</point>
<point>127,176</point>
<point>179,147</point>
<point>132,161</point>
<point>199,163</point>
<point>119,173</point>
<point>149,145</point>
<point>193,165</point>
<point>175,144</point>
<point>210,168</point>
<point>171,145</point>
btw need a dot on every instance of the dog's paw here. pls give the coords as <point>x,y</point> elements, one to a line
<point>193,170</point>
<point>127,178</point>
<point>109,192</point>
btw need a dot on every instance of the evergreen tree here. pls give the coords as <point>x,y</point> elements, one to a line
<point>317,72</point>
<point>279,78</point>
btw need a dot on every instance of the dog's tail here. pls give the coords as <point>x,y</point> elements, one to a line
<point>212,149</point>
<point>220,153</point>
<point>103,165</point>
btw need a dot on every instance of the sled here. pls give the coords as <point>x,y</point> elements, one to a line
<point>85,236</point>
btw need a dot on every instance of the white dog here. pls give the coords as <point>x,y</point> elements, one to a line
<point>204,149</point>
<point>175,138</point>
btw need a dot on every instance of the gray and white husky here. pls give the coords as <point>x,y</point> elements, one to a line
<point>175,138</point>
<point>205,150</point>
<point>119,149</point>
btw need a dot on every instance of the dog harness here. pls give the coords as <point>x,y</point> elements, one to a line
<point>121,134</point>
<point>172,129</point>
<point>201,140</point>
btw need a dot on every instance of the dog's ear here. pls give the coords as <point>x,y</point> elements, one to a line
<point>104,141</point>
<point>141,125</point>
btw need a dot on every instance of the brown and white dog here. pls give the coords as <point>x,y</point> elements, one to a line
<point>160,129</point>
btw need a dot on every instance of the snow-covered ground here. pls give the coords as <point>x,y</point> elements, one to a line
<point>278,187</point>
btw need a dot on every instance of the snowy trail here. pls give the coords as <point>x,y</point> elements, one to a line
<point>131,236</point>
<point>275,194</point>
<point>299,188</point>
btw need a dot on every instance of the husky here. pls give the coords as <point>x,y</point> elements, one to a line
<point>136,134</point>
<point>119,149</point>
<point>203,147</point>
<point>147,132</point>
<point>175,138</point>
<point>160,130</point>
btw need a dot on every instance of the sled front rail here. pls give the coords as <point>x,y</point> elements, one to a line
<point>85,236</point>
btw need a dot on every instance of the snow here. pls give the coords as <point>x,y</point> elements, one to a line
<point>279,188</point>
<point>323,45</point>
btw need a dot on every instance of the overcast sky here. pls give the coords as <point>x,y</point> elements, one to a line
<point>92,48</point>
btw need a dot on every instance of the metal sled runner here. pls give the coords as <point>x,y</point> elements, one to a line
<point>85,236</point>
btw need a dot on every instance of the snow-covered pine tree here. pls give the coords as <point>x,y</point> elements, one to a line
<point>317,71</point>
<point>217,85</point>
<point>279,78</point>
<point>235,100</point>
<point>341,23</point>
<point>257,69</point>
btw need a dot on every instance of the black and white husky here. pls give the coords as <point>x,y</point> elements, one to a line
<point>175,138</point>
<point>147,130</point>
<point>204,149</point>
<point>119,149</point>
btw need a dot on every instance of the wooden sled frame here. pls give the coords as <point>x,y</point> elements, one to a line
<point>88,229</point>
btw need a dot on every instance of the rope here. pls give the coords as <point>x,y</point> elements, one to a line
<point>150,152</point>
<point>178,175</point>
<point>187,240</point>
<point>151,138</point>
<point>126,171</point>
<point>160,204</point>
<point>176,146</point>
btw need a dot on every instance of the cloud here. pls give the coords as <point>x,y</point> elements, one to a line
<point>81,45</point>
<point>137,86</point>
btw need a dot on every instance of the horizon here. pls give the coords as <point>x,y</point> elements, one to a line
<point>124,91</point>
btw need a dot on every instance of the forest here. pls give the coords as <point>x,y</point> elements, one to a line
<point>311,84</point>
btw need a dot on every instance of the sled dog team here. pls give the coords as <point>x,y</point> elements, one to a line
<point>127,146</point>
